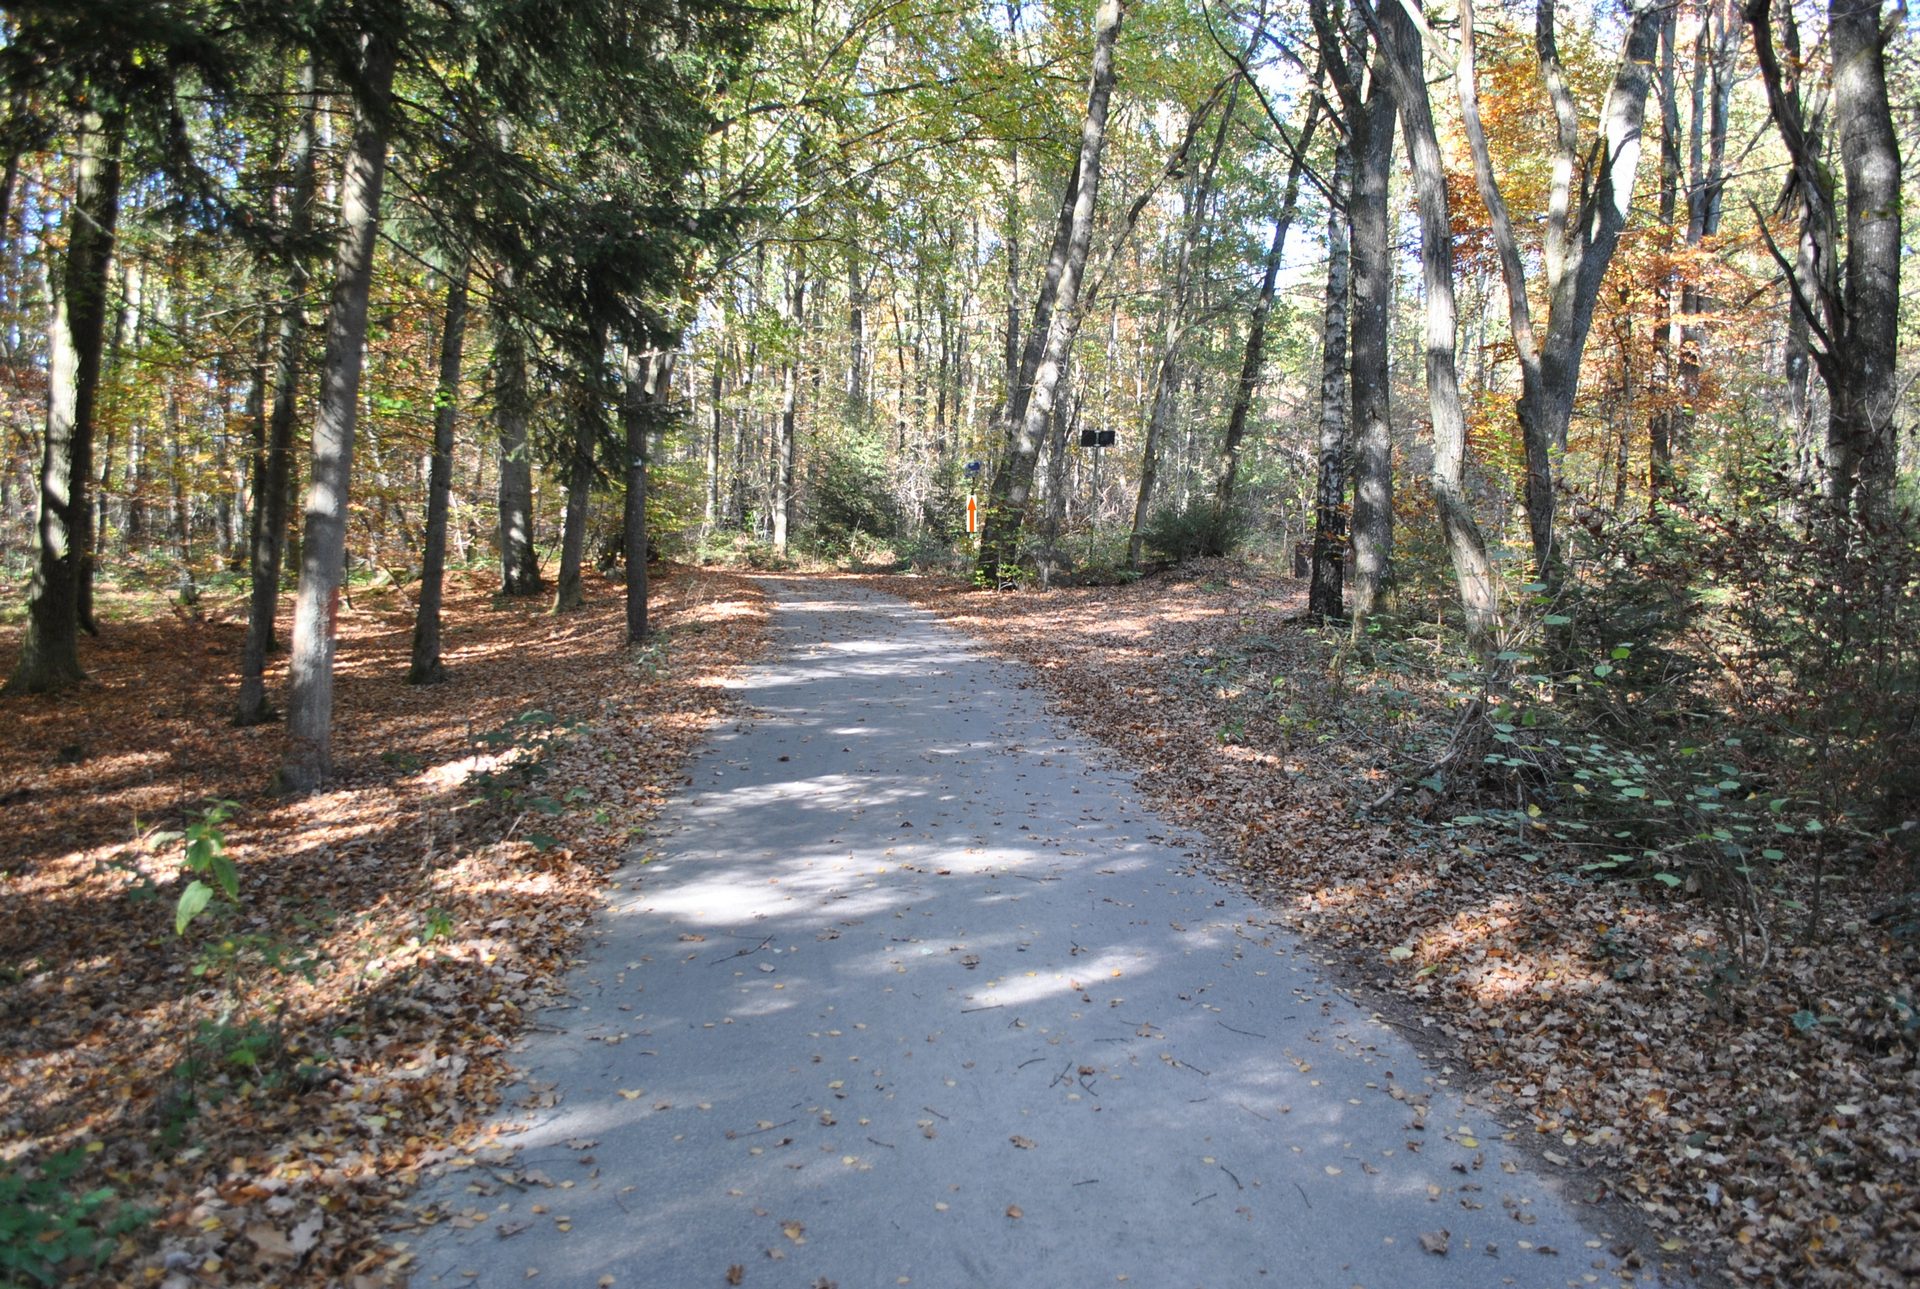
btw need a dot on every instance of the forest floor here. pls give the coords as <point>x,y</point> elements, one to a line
<point>257,1094</point>
<point>241,1104</point>
<point>1767,1123</point>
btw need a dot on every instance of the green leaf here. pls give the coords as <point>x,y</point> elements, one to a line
<point>1603,669</point>
<point>1557,620</point>
<point>542,841</point>
<point>1667,879</point>
<point>227,875</point>
<point>193,902</point>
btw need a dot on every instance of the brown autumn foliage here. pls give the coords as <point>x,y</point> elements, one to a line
<point>260,1089</point>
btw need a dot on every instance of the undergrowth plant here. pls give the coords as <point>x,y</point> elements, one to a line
<point>49,1226</point>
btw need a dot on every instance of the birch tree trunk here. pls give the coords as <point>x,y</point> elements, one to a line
<point>784,448</point>
<point>323,553</point>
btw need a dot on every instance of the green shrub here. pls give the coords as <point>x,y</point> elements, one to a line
<point>1194,531</point>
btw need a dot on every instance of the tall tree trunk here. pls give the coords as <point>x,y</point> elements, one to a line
<point>856,391</point>
<point>323,554</point>
<point>1662,415</point>
<point>589,416</point>
<point>1370,238</point>
<point>59,601</point>
<point>785,451</point>
<point>1166,370</point>
<point>426,667</point>
<point>1862,407</point>
<point>275,482</point>
<point>1472,572</point>
<point>1326,598</point>
<point>1851,308</point>
<point>713,442</point>
<point>519,561</point>
<point>648,386</point>
<point>1013,478</point>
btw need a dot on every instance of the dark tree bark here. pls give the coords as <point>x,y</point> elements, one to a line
<point>519,562</point>
<point>589,423</point>
<point>275,480</point>
<point>59,598</point>
<point>1013,479</point>
<point>1370,115</point>
<point>426,667</point>
<point>648,389</point>
<point>323,555</point>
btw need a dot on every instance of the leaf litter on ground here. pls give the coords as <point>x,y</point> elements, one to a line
<point>261,1095</point>
<point>1766,1126</point>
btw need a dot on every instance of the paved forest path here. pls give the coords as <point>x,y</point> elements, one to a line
<point>912,991</point>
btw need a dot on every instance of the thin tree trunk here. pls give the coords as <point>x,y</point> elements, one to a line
<point>649,380</point>
<point>1256,351</point>
<point>1661,420</point>
<point>1013,480</point>
<point>1165,371</point>
<point>324,549</point>
<point>713,444</point>
<point>426,667</point>
<point>59,601</point>
<point>785,451</point>
<point>1326,597</point>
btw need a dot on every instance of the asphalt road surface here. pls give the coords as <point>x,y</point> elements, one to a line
<point>910,988</point>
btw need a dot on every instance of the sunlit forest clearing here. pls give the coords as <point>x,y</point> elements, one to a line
<point>1464,456</point>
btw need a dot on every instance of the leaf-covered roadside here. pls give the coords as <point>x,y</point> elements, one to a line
<point>255,1094</point>
<point>1768,1126</point>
